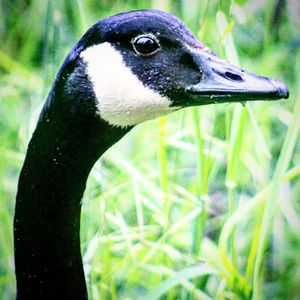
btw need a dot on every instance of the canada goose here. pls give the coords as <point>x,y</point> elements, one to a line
<point>126,69</point>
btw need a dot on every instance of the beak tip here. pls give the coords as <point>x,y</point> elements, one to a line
<point>282,90</point>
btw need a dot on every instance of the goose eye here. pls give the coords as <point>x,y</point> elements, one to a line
<point>145,46</point>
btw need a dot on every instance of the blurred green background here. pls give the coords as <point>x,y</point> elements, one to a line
<point>202,204</point>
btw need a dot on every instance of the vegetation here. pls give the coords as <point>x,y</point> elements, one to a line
<point>202,204</point>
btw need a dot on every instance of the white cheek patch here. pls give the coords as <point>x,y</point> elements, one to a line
<point>122,98</point>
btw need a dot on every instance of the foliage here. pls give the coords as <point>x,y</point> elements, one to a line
<point>202,204</point>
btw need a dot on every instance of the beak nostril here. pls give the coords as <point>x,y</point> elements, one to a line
<point>229,75</point>
<point>233,77</point>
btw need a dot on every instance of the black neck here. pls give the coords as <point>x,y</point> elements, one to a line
<point>61,153</point>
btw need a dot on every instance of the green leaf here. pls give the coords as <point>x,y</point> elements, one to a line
<point>185,274</point>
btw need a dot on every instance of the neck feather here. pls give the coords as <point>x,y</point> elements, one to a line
<point>61,153</point>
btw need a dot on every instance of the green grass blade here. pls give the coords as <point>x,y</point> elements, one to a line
<point>185,274</point>
<point>271,204</point>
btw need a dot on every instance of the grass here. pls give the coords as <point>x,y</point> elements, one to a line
<point>202,204</point>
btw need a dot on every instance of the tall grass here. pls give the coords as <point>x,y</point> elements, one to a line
<point>201,204</point>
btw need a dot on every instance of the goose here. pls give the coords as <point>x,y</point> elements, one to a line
<point>126,69</point>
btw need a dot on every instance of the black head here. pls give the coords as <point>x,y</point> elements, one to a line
<point>143,64</point>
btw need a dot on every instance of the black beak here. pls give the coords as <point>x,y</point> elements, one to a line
<point>223,82</point>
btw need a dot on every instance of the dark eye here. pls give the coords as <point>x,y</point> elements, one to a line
<point>145,45</point>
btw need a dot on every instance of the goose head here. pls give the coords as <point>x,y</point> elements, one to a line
<point>144,64</point>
